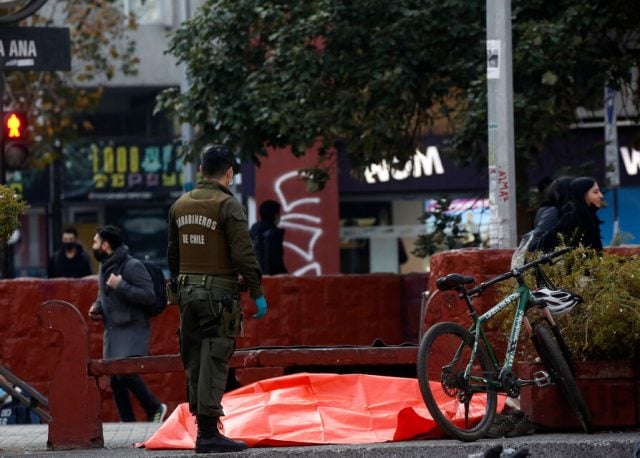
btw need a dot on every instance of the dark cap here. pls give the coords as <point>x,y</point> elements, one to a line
<point>216,159</point>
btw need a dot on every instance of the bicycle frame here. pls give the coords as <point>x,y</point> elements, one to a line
<point>449,383</point>
<point>522,295</point>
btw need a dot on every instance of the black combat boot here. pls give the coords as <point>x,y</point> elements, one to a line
<point>210,440</point>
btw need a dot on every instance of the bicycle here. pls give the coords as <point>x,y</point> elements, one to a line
<point>458,372</point>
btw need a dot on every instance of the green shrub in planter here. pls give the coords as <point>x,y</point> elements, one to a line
<point>11,207</point>
<point>607,324</point>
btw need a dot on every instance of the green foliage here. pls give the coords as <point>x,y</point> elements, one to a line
<point>445,231</point>
<point>564,52</point>
<point>373,76</point>
<point>11,207</point>
<point>607,324</point>
<point>369,77</point>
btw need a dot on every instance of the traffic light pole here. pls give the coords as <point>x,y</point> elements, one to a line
<point>4,248</point>
<point>3,172</point>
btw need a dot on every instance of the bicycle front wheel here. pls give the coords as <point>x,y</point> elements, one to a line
<point>463,408</point>
<point>561,374</point>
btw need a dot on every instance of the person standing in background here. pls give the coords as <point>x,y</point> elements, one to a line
<point>209,248</point>
<point>71,260</point>
<point>544,234</point>
<point>268,238</point>
<point>579,223</point>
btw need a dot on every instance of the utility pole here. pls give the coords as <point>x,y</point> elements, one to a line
<point>502,189</point>
<point>186,130</point>
<point>612,163</point>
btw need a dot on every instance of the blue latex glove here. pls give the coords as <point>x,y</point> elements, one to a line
<point>261,304</point>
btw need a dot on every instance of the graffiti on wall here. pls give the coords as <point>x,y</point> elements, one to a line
<point>310,219</point>
<point>295,219</point>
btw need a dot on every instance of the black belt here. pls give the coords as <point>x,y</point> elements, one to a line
<point>208,281</point>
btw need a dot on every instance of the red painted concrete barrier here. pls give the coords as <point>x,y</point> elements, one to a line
<point>610,388</point>
<point>72,391</point>
<point>320,311</point>
<point>327,311</point>
<point>74,401</point>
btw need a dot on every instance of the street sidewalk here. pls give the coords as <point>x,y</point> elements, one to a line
<point>19,440</point>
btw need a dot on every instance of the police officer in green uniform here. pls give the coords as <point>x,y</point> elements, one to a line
<point>209,247</point>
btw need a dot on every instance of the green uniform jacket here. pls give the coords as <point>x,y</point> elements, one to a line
<point>209,234</point>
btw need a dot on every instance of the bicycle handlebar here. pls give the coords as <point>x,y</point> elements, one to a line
<point>544,259</point>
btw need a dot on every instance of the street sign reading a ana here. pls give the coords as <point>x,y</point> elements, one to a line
<point>35,48</point>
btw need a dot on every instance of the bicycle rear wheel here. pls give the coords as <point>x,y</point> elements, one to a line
<point>561,374</point>
<point>564,348</point>
<point>464,409</point>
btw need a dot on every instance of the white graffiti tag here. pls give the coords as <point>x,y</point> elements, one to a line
<point>301,223</point>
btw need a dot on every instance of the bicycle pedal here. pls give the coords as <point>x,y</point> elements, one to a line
<point>542,378</point>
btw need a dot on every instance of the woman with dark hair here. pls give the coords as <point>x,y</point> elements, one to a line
<point>579,224</point>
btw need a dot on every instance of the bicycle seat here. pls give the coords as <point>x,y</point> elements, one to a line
<point>453,281</point>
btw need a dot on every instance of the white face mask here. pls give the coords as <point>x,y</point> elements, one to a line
<point>231,177</point>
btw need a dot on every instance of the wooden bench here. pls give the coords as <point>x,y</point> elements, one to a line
<point>74,398</point>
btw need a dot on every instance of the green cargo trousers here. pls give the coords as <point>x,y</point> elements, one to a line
<point>209,317</point>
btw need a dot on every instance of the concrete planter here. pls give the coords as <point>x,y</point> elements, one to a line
<point>610,389</point>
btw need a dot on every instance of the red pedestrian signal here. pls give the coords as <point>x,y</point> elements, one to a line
<point>14,138</point>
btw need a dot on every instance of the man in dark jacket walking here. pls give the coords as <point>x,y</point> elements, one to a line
<point>268,238</point>
<point>124,287</point>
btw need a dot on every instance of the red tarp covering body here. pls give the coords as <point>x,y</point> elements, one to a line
<point>310,409</point>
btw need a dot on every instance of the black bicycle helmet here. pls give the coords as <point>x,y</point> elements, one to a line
<point>558,301</point>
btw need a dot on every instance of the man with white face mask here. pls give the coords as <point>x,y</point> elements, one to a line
<point>209,249</point>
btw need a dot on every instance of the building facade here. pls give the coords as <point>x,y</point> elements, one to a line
<point>127,173</point>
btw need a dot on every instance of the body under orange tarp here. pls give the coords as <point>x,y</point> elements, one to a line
<point>311,409</point>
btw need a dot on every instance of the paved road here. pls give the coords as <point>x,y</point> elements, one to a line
<point>119,439</point>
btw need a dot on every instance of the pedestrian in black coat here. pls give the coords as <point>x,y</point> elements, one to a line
<point>579,224</point>
<point>267,239</point>
<point>124,286</point>
<point>70,260</point>
<point>544,235</point>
